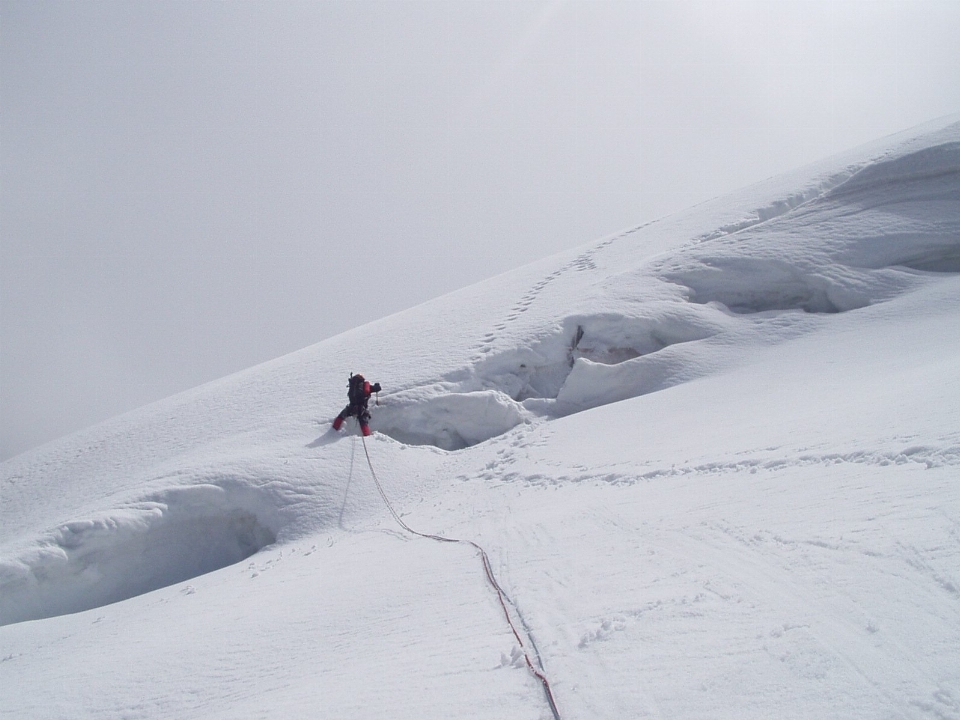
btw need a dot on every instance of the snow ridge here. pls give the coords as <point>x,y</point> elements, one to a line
<point>588,360</point>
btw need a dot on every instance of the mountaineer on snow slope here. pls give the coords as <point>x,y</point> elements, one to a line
<point>358,393</point>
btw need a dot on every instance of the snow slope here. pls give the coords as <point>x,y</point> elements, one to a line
<point>714,460</point>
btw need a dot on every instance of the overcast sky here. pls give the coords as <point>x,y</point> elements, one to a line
<point>191,188</point>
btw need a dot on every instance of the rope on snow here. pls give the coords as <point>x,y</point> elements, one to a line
<point>491,578</point>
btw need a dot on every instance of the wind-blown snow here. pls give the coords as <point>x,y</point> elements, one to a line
<point>713,459</point>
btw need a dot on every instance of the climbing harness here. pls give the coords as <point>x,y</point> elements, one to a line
<point>488,570</point>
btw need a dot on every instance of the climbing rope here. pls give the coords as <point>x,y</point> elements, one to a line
<point>491,578</point>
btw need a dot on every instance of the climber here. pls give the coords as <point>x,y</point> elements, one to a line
<point>358,392</point>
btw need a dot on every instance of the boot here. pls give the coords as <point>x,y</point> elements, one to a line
<point>337,423</point>
<point>365,429</point>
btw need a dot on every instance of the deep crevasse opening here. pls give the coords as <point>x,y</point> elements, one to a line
<point>84,564</point>
<point>586,362</point>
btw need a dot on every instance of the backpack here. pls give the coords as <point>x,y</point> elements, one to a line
<point>355,391</point>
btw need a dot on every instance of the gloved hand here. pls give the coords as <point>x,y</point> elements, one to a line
<point>376,387</point>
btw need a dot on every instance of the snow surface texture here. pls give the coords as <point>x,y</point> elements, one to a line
<point>713,459</point>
